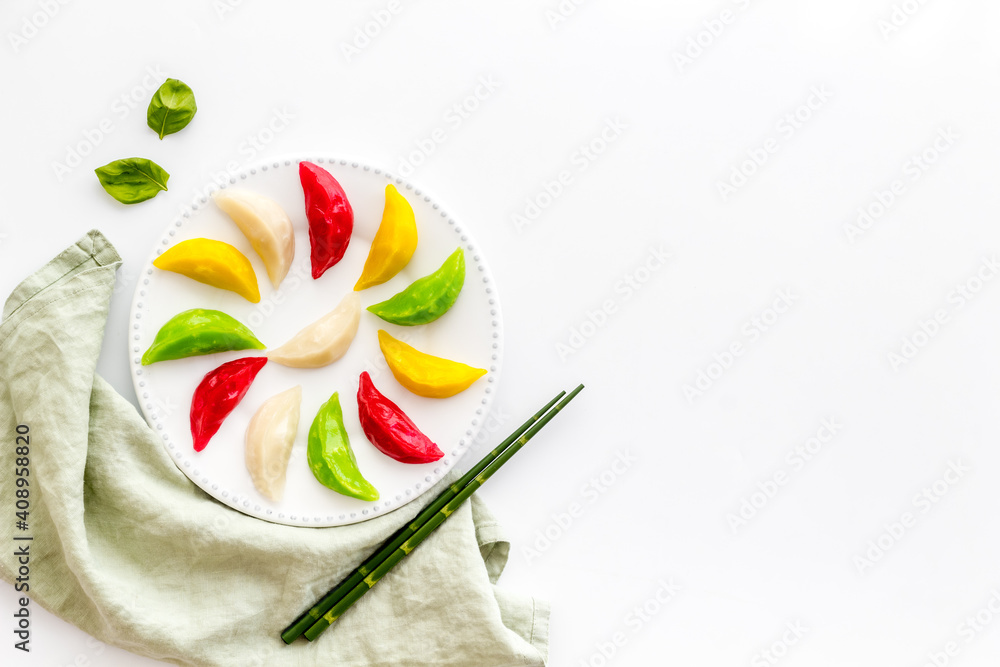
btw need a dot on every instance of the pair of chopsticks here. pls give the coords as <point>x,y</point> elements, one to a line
<point>340,598</point>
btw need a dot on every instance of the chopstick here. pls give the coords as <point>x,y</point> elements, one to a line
<point>432,523</point>
<point>308,618</point>
<point>328,609</point>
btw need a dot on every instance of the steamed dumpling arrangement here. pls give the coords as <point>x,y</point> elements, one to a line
<point>271,432</point>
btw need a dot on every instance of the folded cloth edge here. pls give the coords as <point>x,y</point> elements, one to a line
<point>93,246</point>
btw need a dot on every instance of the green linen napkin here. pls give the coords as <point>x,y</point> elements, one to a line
<point>129,550</point>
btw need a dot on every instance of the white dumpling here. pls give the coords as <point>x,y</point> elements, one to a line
<point>325,340</point>
<point>266,226</point>
<point>269,439</point>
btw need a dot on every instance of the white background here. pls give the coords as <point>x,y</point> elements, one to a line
<point>662,514</point>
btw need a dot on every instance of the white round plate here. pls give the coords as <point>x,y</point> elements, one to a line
<point>470,332</point>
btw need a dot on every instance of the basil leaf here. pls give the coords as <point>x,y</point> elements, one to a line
<point>171,108</point>
<point>133,179</point>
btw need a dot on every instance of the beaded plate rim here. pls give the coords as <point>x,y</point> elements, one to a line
<point>246,505</point>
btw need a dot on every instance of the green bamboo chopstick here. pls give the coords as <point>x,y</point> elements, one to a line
<point>411,543</point>
<point>308,618</point>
